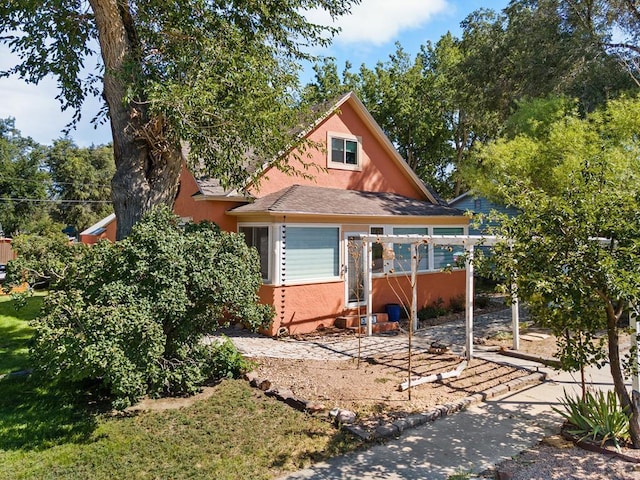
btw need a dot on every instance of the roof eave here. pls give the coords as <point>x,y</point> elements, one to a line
<point>349,216</point>
<point>199,197</point>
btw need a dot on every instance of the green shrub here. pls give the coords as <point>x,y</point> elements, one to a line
<point>481,301</point>
<point>433,310</point>
<point>598,416</point>
<point>133,314</point>
<point>457,303</point>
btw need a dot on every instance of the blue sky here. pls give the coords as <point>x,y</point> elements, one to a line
<point>368,36</point>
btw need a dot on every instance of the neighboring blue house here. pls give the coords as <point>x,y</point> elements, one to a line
<point>470,202</point>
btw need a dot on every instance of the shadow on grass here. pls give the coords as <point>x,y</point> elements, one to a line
<point>340,443</point>
<point>36,416</point>
<point>15,333</point>
<point>14,353</point>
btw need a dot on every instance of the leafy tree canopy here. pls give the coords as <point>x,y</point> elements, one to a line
<point>458,92</point>
<point>220,75</point>
<point>80,183</point>
<point>23,180</point>
<point>574,250</point>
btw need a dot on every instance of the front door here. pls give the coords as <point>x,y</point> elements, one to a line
<point>355,293</point>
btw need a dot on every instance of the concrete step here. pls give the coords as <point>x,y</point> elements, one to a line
<point>377,327</point>
<point>347,321</point>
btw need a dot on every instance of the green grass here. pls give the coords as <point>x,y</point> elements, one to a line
<point>15,333</point>
<point>50,431</point>
<point>239,433</point>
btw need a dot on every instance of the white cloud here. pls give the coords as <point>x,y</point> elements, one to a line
<point>376,22</point>
<point>38,114</point>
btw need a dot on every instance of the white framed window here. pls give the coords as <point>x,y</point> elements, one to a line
<point>430,257</point>
<point>402,260</point>
<point>310,253</point>
<point>377,252</point>
<point>447,255</point>
<point>344,151</point>
<point>259,237</point>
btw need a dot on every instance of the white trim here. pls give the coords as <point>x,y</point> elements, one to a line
<point>345,259</point>
<point>400,162</point>
<point>100,224</point>
<point>368,119</point>
<point>388,265</point>
<point>331,135</point>
<point>271,258</point>
<point>460,197</point>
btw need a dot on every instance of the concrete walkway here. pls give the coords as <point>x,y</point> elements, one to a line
<point>469,441</point>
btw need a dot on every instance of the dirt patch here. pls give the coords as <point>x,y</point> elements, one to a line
<point>170,403</point>
<point>545,348</point>
<point>371,389</point>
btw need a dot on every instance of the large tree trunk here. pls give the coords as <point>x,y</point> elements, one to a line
<point>147,163</point>
<point>618,376</point>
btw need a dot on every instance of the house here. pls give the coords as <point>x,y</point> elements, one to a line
<point>476,204</point>
<point>305,228</point>
<point>6,252</point>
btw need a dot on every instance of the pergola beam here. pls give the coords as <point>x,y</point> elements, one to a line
<point>469,242</point>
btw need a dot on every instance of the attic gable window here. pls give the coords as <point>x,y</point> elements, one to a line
<point>344,151</point>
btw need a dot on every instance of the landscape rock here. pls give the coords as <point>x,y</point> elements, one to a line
<point>344,417</point>
<point>314,407</point>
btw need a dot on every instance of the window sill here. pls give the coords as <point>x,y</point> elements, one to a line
<point>343,166</point>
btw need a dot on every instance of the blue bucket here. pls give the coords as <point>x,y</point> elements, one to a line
<point>393,312</point>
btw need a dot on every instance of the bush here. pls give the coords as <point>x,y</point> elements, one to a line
<point>433,310</point>
<point>482,301</point>
<point>133,314</point>
<point>457,303</point>
<point>598,416</point>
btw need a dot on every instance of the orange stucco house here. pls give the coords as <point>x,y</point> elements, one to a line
<point>302,228</point>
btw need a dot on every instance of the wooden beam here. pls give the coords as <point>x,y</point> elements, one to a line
<point>434,378</point>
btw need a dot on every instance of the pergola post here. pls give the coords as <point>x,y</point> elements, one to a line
<point>469,300</point>
<point>515,316</point>
<point>414,286</point>
<point>635,325</point>
<point>366,249</point>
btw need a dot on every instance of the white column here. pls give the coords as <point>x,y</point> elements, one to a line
<point>366,252</point>
<point>414,286</point>
<point>635,325</point>
<point>469,301</point>
<point>515,316</point>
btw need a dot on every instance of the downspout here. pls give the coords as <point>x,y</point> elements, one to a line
<point>283,274</point>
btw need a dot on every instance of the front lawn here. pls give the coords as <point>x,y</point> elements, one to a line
<point>51,431</point>
<point>15,332</point>
<point>238,433</point>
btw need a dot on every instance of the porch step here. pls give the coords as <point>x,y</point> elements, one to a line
<point>377,327</point>
<point>347,321</point>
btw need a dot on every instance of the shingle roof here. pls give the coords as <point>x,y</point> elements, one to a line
<point>306,200</point>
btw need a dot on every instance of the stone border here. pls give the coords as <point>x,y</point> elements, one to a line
<point>594,447</point>
<point>395,428</point>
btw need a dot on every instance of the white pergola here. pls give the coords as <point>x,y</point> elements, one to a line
<point>468,242</point>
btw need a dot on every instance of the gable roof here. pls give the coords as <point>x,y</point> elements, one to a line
<point>308,200</point>
<point>211,189</point>
<point>460,197</point>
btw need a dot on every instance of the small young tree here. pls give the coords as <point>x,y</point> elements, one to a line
<point>133,314</point>
<point>574,250</point>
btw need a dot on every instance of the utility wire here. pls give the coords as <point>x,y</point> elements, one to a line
<point>49,200</point>
<point>33,180</point>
